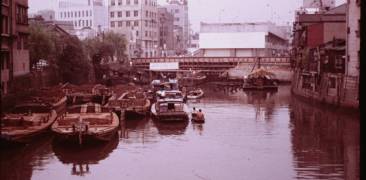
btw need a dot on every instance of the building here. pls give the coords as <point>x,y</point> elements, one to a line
<point>321,4</point>
<point>47,14</point>
<point>353,37</point>
<point>179,9</point>
<point>84,15</point>
<point>166,32</point>
<point>138,21</point>
<point>263,39</point>
<point>14,42</point>
<point>325,67</point>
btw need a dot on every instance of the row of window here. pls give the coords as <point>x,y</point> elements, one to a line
<point>22,41</point>
<point>5,25</point>
<point>129,14</point>
<point>129,2</point>
<point>133,23</point>
<point>83,23</point>
<point>70,14</point>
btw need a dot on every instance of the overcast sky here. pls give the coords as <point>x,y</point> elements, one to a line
<point>278,11</point>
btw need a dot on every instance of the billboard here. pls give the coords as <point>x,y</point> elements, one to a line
<point>232,40</point>
<point>164,66</point>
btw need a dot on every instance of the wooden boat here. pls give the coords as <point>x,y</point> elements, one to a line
<point>26,121</point>
<point>260,79</point>
<point>138,105</point>
<point>86,93</point>
<point>195,94</point>
<point>170,107</point>
<point>86,123</point>
<point>192,78</point>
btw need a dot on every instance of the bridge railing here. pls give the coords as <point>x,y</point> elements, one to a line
<point>140,61</point>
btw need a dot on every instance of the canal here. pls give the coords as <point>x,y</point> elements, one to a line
<point>256,136</point>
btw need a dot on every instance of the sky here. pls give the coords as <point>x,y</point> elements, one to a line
<point>278,11</point>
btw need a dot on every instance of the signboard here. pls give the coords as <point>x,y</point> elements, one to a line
<point>229,40</point>
<point>164,66</point>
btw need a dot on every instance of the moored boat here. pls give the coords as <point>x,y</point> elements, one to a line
<point>138,105</point>
<point>195,94</point>
<point>86,123</point>
<point>26,121</point>
<point>170,107</point>
<point>260,79</point>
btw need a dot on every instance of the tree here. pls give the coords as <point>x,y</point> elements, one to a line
<point>41,44</point>
<point>73,64</point>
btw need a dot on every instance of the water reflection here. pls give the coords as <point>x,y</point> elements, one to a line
<point>198,127</point>
<point>82,156</point>
<point>325,142</point>
<point>171,128</point>
<point>18,163</point>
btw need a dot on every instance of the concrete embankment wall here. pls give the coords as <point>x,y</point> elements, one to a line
<point>283,73</point>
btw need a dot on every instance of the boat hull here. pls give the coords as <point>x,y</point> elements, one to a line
<point>85,138</point>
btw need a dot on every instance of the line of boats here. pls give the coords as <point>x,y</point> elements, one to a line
<point>93,113</point>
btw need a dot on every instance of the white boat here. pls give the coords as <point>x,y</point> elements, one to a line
<point>170,107</point>
<point>195,94</point>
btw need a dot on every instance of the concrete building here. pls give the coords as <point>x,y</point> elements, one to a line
<point>263,39</point>
<point>179,9</point>
<point>353,38</point>
<point>166,32</point>
<point>14,42</point>
<point>138,21</point>
<point>84,14</point>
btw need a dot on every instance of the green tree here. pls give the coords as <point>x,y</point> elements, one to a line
<point>41,44</point>
<point>73,63</point>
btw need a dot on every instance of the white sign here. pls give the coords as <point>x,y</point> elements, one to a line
<point>164,66</point>
<point>232,40</point>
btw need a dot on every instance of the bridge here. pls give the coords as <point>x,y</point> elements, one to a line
<point>214,65</point>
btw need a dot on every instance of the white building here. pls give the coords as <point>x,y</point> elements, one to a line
<point>243,40</point>
<point>138,21</point>
<point>353,38</point>
<point>84,14</point>
<point>179,9</point>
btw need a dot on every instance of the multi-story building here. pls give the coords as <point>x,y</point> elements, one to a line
<point>85,15</point>
<point>353,37</point>
<point>243,39</point>
<point>14,42</point>
<point>179,9</point>
<point>138,21</point>
<point>166,32</point>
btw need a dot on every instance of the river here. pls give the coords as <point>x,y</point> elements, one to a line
<point>254,136</point>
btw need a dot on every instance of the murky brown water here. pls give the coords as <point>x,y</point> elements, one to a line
<point>254,136</point>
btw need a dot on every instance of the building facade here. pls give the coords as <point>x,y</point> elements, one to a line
<point>138,21</point>
<point>84,15</point>
<point>166,32</point>
<point>179,9</point>
<point>14,43</point>
<point>243,40</point>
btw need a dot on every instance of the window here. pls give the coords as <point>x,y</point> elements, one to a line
<point>21,15</point>
<point>136,1</point>
<point>145,2</point>
<point>91,24</point>
<point>145,33</point>
<point>87,13</point>
<point>83,13</point>
<point>176,19</point>
<point>60,14</point>
<point>146,23</point>
<point>113,3</point>
<point>112,24</point>
<point>112,14</point>
<point>136,23</point>
<point>25,42</point>
<point>128,23</point>
<point>79,14</point>
<point>137,33</point>
<point>72,14</point>
<point>5,25</point>
<point>90,12</point>
<point>135,13</point>
<point>82,22</point>
<point>119,23</point>
<point>128,2</point>
<point>87,23</point>
<point>119,13</point>
<point>147,14</point>
<point>119,2</point>
<point>127,13</point>
<point>75,14</point>
<point>75,23</point>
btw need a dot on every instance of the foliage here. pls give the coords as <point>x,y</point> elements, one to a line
<point>73,64</point>
<point>40,44</point>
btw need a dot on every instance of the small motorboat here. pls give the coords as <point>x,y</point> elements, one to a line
<point>86,123</point>
<point>170,106</point>
<point>197,119</point>
<point>195,94</point>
